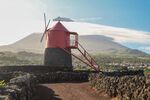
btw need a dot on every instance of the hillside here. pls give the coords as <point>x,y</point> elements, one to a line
<point>92,43</point>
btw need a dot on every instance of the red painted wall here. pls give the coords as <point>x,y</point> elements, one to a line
<point>58,36</point>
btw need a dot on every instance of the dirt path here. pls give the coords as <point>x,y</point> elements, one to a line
<point>69,91</point>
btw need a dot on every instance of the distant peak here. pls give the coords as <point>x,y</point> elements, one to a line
<point>63,19</point>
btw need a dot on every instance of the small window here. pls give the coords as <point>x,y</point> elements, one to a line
<point>72,40</point>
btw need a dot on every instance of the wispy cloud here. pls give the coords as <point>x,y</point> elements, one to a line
<point>120,35</point>
<point>89,19</point>
<point>145,48</point>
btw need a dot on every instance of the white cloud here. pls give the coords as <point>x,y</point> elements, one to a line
<point>19,18</point>
<point>121,35</point>
<point>89,19</point>
<point>146,48</point>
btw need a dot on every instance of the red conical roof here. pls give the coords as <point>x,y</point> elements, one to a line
<point>59,26</point>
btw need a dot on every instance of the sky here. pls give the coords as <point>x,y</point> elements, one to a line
<point>19,18</point>
<point>122,13</point>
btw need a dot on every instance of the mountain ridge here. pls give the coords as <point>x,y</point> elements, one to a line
<point>94,44</point>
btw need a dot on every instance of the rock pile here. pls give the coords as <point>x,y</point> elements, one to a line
<point>19,88</point>
<point>124,87</point>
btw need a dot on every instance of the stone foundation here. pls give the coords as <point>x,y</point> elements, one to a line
<point>57,57</point>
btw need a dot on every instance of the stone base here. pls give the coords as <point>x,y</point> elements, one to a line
<point>57,57</point>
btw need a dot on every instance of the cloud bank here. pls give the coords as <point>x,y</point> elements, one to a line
<point>19,18</point>
<point>89,19</point>
<point>128,37</point>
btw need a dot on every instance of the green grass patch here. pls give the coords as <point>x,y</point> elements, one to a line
<point>147,71</point>
<point>2,84</point>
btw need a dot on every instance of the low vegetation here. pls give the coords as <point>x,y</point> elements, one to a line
<point>2,84</point>
<point>20,58</point>
<point>107,62</point>
<point>147,71</point>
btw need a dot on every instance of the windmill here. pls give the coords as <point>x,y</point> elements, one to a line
<point>59,42</point>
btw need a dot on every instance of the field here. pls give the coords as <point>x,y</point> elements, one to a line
<point>20,58</point>
<point>107,62</point>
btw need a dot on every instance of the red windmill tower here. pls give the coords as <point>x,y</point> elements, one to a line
<point>59,42</point>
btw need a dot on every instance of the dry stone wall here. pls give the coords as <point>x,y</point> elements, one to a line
<point>21,85</point>
<point>19,88</point>
<point>23,79</point>
<point>126,87</point>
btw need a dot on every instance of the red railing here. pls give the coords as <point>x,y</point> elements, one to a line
<point>89,60</point>
<point>88,57</point>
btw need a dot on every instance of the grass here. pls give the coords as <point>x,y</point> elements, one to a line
<point>147,71</point>
<point>2,84</point>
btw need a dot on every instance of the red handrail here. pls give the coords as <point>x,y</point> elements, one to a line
<point>91,62</point>
<point>80,59</point>
<point>88,57</point>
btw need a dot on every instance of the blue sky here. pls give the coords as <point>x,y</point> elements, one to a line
<point>131,14</point>
<point>134,14</point>
<point>20,18</point>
